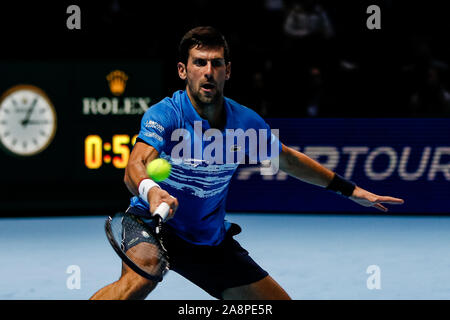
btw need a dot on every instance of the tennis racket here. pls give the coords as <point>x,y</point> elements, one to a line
<point>138,242</point>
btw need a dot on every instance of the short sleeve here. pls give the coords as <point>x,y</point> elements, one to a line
<point>157,125</point>
<point>268,143</point>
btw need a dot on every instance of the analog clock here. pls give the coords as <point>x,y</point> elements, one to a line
<point>27,120</point>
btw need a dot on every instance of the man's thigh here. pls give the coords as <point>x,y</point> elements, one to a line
<point>264,289</point>
<point>214,268</point>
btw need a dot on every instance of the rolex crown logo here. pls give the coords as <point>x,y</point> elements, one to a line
<point>117,82</point>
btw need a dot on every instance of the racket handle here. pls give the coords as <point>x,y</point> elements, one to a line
<point>162,211</point>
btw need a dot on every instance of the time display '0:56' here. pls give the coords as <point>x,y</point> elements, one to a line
<point>97,152</point>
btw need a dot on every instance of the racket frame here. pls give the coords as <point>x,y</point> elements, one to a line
<point>125,258</point>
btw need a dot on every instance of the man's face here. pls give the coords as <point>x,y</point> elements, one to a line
<point>205,73</point>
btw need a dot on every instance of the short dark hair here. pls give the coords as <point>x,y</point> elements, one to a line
<point>199,37</point>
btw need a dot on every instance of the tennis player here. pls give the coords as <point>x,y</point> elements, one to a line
<point>198,239</point>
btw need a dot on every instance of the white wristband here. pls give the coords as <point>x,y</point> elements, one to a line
<point>144,188</point>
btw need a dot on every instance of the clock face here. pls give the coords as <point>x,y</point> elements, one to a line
<point>27,120</point>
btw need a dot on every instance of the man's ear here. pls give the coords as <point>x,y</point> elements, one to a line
<point>228,71</point>
<point>182,72</point>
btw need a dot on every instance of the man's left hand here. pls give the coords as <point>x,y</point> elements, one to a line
<point>368,199</point>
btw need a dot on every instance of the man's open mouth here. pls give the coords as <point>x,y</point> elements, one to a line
<point>208,86</point>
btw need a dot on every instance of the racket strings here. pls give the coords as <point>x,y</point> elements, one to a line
<point>140,244</point>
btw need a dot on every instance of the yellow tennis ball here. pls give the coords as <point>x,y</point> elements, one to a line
<point>159,169</point>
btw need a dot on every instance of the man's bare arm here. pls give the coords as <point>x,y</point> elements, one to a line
<point>302,167</point>
<point>135,172</point>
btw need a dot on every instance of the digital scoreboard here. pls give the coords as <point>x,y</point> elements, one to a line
<point>98,152</point>
<point>67,129</point>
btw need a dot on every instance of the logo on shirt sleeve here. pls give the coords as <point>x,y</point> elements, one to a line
<point>153,135</point>
<point>154,125</point>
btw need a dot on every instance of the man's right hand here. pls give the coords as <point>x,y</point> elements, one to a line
<point>156,196</point>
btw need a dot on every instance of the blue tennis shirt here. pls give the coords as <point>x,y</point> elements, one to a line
<point>203,160</point>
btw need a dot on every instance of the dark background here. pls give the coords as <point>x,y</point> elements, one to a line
<point>339,69</point>
<point>398,71</point>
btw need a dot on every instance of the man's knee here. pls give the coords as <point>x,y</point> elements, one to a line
<point>130,286</point>
<point>138,286</point>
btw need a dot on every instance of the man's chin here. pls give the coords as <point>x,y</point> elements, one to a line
<point>208,99</point>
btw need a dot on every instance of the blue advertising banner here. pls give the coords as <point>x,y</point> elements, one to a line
<point>404,158</point>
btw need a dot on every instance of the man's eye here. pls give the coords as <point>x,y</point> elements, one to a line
<point>218,63</point>
<point>200,63</point>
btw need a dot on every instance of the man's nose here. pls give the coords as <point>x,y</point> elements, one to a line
<point>208,70</point>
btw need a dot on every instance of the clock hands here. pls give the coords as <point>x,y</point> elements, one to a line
<point>28,115</point>
<point>37,122</point>
<point>15,104</point>
<point>27,120</point>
